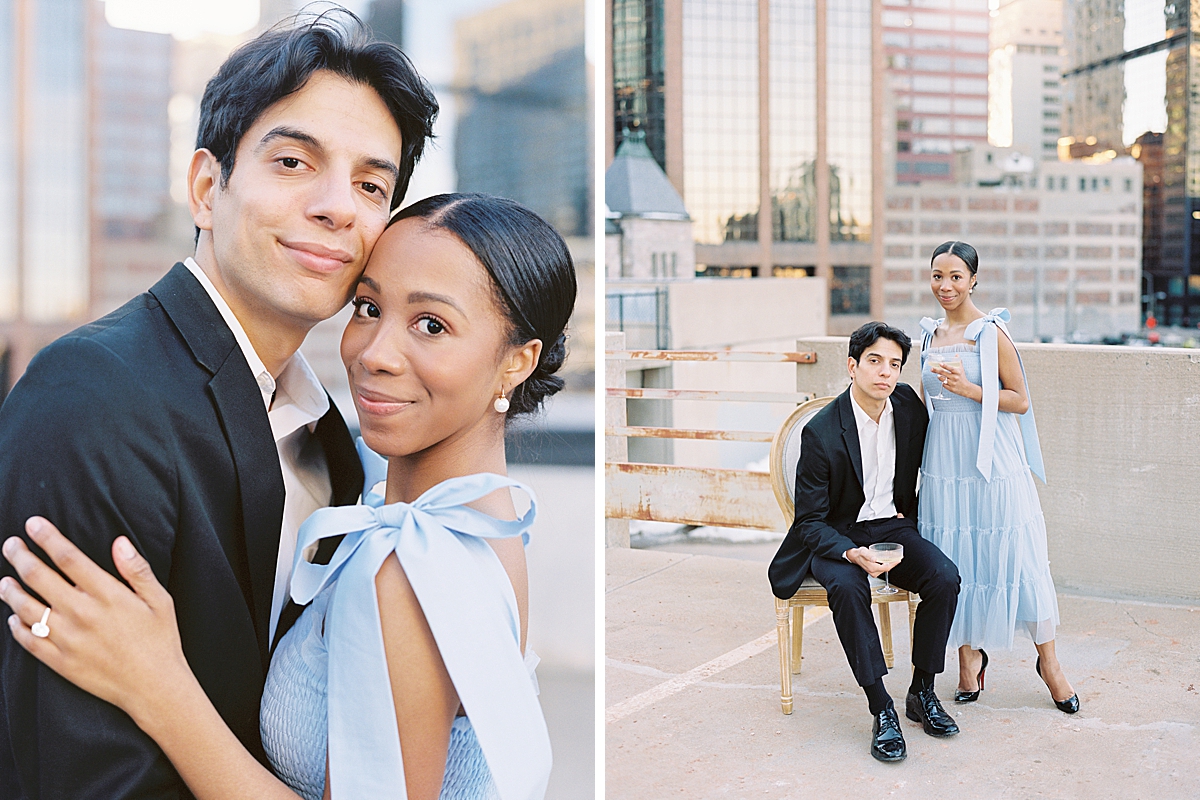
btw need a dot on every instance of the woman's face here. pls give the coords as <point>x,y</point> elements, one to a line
<point>950,280</point>
<point>426,349</point>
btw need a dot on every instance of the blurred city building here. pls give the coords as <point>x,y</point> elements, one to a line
<point>937,64</point>
<point>85,141</point>
<point>1131,81</point>
<point>1025,66</point>
<point>524,130</point>
<point>764,117</point>
<point>1059,242</point>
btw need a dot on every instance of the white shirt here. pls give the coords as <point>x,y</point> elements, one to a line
<point>877,444</point>
<point>294,403</point>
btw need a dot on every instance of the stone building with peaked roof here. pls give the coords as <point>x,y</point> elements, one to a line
<point>648,232</point>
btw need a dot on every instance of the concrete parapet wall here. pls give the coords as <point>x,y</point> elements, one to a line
<point>1120,434</point>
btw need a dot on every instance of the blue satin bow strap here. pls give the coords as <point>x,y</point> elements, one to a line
<point>473,618</point>
<point>984,332</point>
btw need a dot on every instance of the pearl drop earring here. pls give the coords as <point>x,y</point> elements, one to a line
<point>501,404</point>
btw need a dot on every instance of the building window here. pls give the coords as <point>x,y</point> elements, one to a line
<point>1129,184</point>
<point>1083,184</point>
<point>850,290</point>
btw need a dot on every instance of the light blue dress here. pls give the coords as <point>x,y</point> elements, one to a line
<point>978,502</point>
<point>328,691</point>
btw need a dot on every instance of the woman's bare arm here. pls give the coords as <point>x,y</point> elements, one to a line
<point>1013,395</point>
<point>423,694</point>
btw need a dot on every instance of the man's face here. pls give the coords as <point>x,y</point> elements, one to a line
<point>308,196</point>
<point>876,372</point>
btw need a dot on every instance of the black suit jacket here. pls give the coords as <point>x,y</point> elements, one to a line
<point>148,423</point>
<point>829,483</point>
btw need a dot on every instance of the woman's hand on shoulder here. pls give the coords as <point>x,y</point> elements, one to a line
<point>119,643</point>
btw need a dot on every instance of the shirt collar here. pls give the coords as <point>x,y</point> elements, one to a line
<point>862,418</point>
<point>299,398</point>
<point>266,382</point>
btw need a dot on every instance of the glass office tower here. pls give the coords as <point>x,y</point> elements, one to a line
<point>1133,85</point>
<point>763,115</point>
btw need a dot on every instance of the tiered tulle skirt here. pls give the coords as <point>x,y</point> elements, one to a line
<point>993,531</point>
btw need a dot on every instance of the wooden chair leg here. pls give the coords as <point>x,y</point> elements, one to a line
<point>797,639</point>
<point>782,613</point>
<point>885,632</point>
<point>912,615</point>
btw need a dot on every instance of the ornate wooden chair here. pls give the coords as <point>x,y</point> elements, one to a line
<point>789,614</point>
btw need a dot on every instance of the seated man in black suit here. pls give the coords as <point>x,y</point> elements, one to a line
<point>856,486</point>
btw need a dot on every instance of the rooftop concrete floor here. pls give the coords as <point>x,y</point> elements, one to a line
<point>692,700</point>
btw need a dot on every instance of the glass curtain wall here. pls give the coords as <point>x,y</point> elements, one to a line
<point>849,119</point>
<point>720,118</point>
<point>56,173</point>
<point>793,77</point>
<point>8,166</point>
<point>638,73</point>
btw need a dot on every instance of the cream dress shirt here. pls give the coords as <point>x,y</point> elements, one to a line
<point>877,444</point>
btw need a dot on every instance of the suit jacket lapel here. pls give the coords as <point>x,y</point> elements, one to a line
<point>345,470</point>
<point>900,422</point>
<point>260,482</point>
<point>850,434</point>
<point>239,406</point>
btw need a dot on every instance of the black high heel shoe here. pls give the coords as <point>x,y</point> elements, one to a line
<point>1068,706</point>
<point>970,697</point>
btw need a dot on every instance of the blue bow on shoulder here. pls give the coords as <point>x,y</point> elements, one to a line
<point>469,603</point>
<point>983,332</point>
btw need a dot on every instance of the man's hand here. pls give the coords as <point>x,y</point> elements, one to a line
<point>864,558</point>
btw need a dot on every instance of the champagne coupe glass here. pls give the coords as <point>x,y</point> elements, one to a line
<point>939,358</point>
<point>887,553</point>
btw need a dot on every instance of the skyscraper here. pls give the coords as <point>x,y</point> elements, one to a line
<point>1025,97</point>
<point>523,129</point>
<point>763,115</point>
<point>1133,85</point>
<point>938,72</point>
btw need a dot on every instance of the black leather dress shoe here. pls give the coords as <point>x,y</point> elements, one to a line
<point>925,708</point>
<point>887,740</point>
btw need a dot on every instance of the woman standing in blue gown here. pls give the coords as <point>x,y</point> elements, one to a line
<point>977,500</point>
<point>407,674</point>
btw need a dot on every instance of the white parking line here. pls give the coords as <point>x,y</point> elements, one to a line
<point>677,684</point>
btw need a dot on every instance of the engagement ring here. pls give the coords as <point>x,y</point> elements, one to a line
<point>41,629</point>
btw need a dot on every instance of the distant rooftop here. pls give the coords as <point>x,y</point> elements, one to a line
<point>636,186</point>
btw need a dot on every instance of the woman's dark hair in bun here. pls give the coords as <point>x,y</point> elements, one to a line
<point>531,270</point>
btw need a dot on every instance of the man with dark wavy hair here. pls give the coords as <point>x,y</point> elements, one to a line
<point>856,485</point>
<point>187,420</point>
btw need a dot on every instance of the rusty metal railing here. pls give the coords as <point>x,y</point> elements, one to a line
<point>735,498</point>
